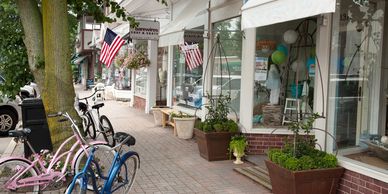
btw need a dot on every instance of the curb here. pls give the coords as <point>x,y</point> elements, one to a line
<point>10,148</point>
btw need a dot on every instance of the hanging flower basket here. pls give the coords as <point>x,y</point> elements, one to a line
<point>136,60</point>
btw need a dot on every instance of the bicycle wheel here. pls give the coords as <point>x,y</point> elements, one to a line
<point>9,168</point>
<point>107,130</point>
<point>90,126</point>
<point>103,156</point>
<point>125,176</point>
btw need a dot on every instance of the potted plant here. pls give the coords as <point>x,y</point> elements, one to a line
<point>299,168</point>
<point>158,115</point>
<point>214,133</point>
<point>237,145</point>
<point>184,124</point>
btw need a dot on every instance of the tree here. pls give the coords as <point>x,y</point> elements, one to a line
<point>46,37</point>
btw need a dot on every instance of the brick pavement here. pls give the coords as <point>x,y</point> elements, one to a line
<point>172,165</point>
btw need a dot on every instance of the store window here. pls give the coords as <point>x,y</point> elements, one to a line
<point>356,88</point>
<point>227,61</point>
<point>141,73</point>
<point>117,74</point>
<point>284,73</point>
<point>187,72</point>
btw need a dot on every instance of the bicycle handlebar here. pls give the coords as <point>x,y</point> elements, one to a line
<point>85,98</point>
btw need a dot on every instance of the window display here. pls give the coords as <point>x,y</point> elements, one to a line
<point>356,94</point>
<point>284,72</point>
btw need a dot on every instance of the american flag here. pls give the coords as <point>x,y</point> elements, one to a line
<point>112,43</point>
<point>192,54</point>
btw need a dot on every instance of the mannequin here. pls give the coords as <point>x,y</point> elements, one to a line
<point>273,83</point>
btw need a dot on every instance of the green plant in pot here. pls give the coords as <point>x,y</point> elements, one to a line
<point>214,133</point>
<point>299,167</point>
<point>184,124</point>
<point>237,145</point>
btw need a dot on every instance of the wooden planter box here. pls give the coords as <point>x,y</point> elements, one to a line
<point>320,181</point>
<point>213,146</point>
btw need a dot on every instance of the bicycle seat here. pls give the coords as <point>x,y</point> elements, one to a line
<point>121,136</point>
<point>82,106</point>
<point>97,106</point>
<point>19,133</point>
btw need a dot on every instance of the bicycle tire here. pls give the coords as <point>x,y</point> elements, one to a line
<point>76,189</point>
<point>6,175</point>
<point>91,126</point>
<point>127,170</point>
<point>103,156</point>
<point>107,130</point>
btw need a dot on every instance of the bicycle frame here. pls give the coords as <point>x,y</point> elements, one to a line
<point>46,175</point>
<point>118,161</point>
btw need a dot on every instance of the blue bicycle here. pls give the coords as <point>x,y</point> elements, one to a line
<point>121,175</point>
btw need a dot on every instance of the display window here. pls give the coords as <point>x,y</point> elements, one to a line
<point>357,94</point>
<point>187,71</point>
<point>284,73</point>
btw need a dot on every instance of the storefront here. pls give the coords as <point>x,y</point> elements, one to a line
<point>331,64</point>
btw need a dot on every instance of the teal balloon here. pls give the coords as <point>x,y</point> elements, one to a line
<point>278,57</point>
<point>283,48</point>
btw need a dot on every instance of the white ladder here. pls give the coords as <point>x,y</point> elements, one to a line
<point>291,110</point>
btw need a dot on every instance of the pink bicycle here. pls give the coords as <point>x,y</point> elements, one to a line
<point>18,174</point>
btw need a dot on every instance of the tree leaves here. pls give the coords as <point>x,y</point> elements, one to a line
<point>13,55</point>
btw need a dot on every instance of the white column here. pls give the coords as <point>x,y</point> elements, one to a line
<point>170,71</point>
<point>321,95</point>
<point>152,73</point>
<point>133,86</point>
<point>247,77</point>
<point>206,74</point>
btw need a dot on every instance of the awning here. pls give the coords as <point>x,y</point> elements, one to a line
<point>173,33</point>
<point>78,60</point>
<point>256,13</point>
<point>122,29</point>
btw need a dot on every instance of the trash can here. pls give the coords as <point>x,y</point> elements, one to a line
<point>34,117</point>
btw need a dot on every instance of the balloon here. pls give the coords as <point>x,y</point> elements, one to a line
<point>290,36</point>
<point>278,57</point>
<point>283,48</point>
<point>298,64</point>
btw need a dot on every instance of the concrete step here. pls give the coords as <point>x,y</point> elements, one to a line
<point>257,174</point>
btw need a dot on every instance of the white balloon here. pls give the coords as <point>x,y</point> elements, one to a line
<point>298,64</point>
<point>290,36</point>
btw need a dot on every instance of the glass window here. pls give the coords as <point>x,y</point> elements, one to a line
<point>284,72</point>
<point>227,61</point>
<point>141,73</point>
<point>187,88</point>
<point>356,81</point>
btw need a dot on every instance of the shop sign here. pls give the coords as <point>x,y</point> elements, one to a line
<point>147,30</point>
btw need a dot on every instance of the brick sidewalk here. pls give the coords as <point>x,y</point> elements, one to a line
<point>172,165</point>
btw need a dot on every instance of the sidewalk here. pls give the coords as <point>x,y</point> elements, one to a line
<point>168,164</point>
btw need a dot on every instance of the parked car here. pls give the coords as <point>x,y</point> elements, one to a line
<point>10,111</point>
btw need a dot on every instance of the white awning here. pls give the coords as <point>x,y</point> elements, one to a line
<point>122,29</point>
<point>173,33</point>
<point>256,13</point>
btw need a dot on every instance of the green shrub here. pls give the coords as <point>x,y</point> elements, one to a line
<point>300,153</point>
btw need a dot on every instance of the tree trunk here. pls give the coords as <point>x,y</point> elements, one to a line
<point>33,37</point>
<point>58,91</point>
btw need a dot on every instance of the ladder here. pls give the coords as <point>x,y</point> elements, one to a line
<point>291,110</point>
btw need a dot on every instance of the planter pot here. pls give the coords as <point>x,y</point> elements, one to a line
<point>213,146</point>
<point>238,157</point>
<point>158,116</point>
<point>184,127</point>
<point>319,181</point>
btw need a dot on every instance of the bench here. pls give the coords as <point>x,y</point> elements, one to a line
<point>166,118</point>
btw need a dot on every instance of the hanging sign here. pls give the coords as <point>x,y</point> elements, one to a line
<point>147,30</point>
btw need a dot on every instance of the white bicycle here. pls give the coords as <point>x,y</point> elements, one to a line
<point>93,122</point>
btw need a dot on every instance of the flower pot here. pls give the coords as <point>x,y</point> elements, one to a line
<point>317,181</point>
<point>158,116</point>
<point>238,157</point>
<point>213,146</point>
<point>184,127</point>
